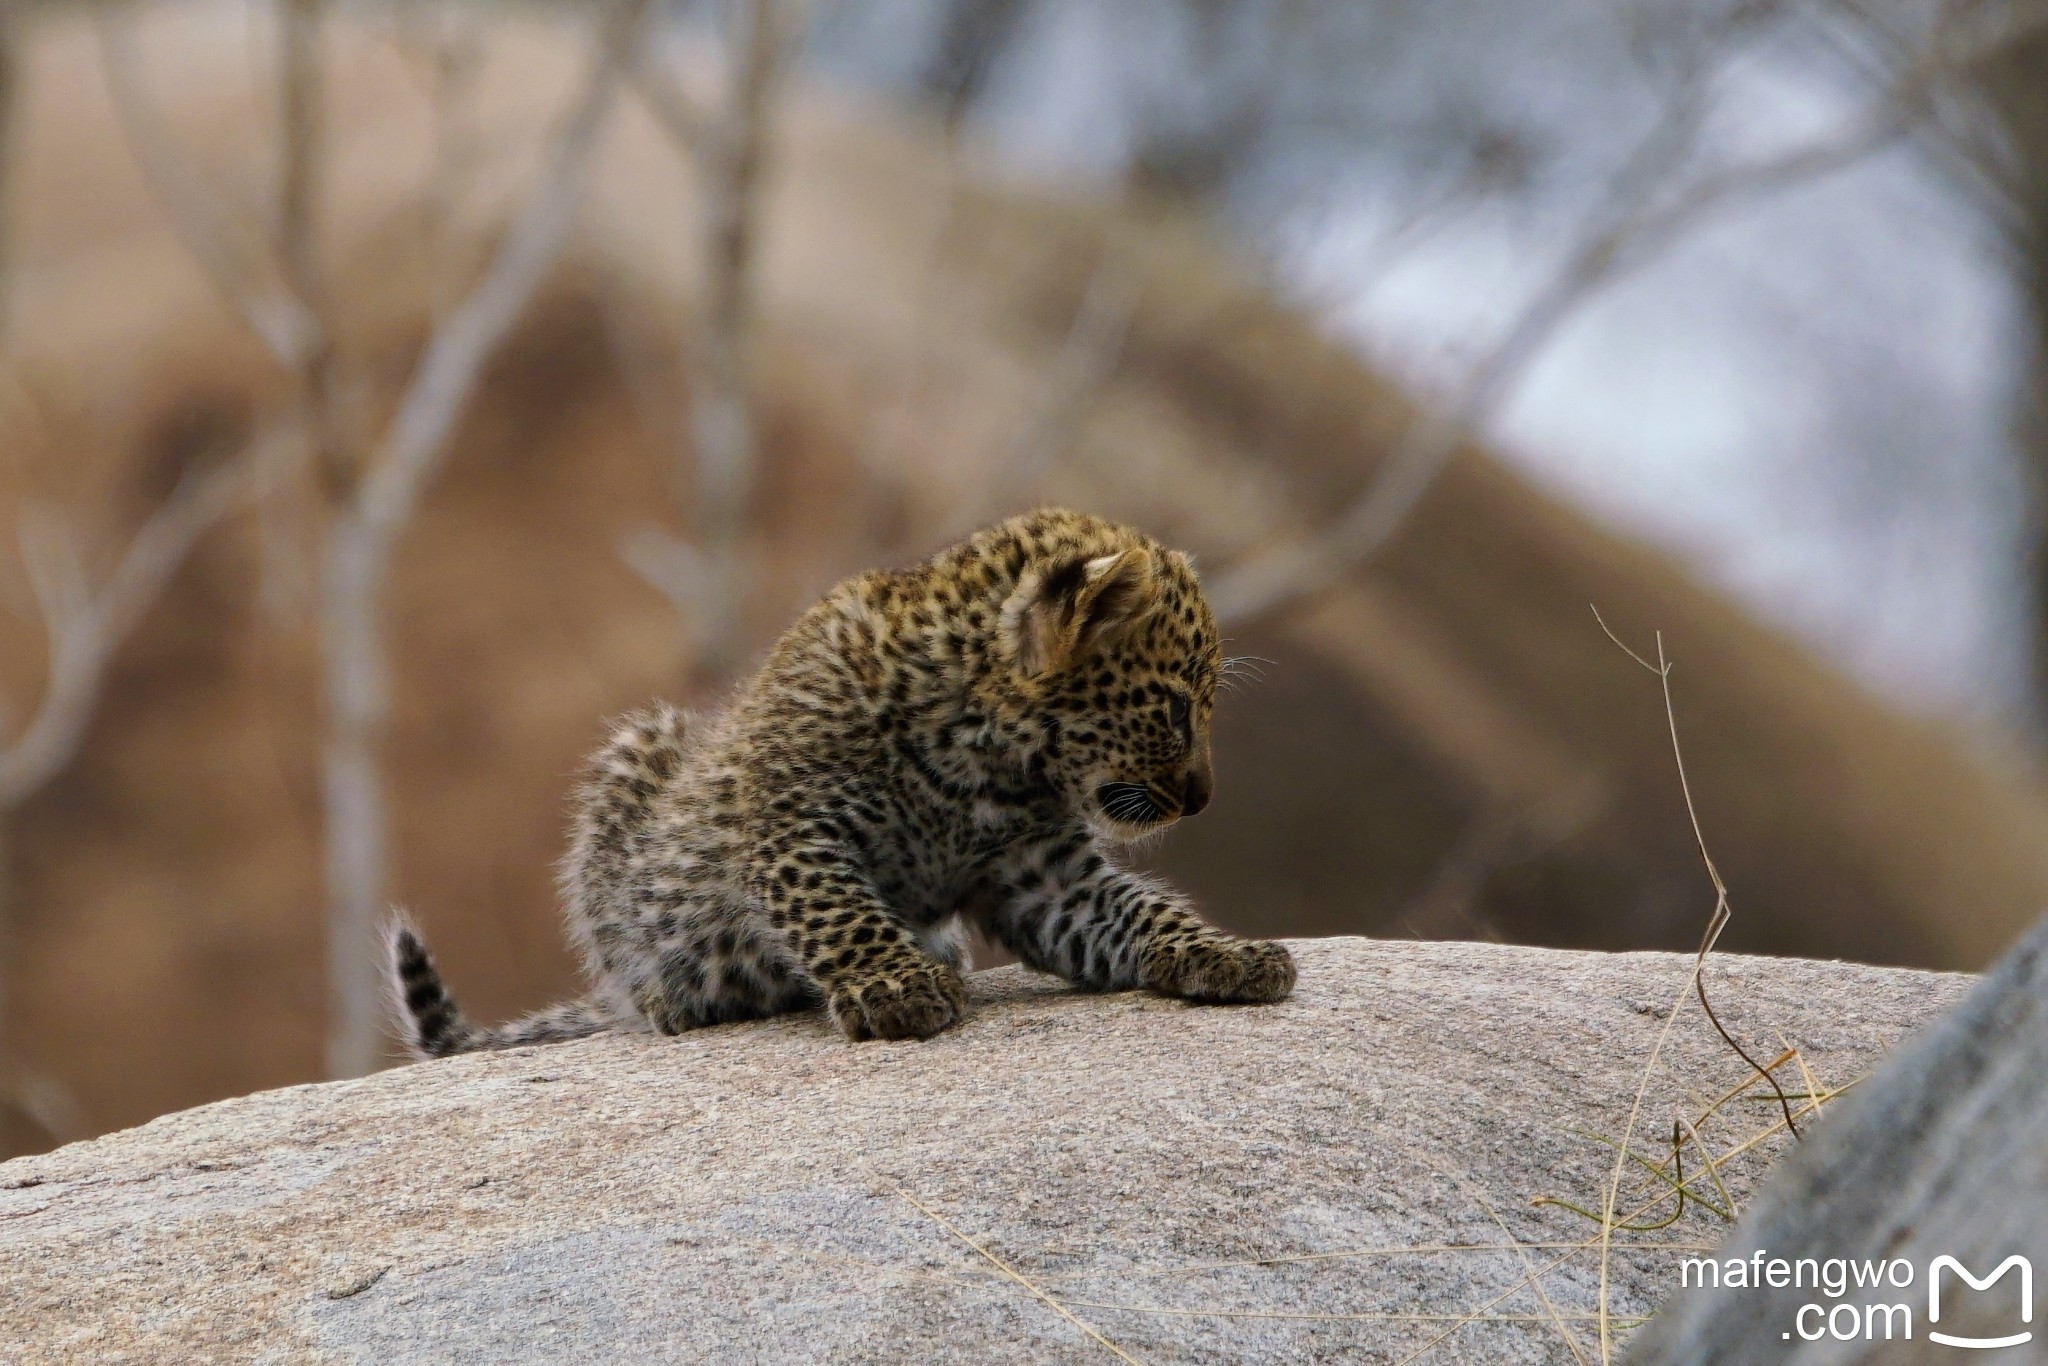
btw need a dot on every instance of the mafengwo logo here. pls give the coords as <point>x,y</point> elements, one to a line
<point>2018,1263</point>
<point>1852,1320</point>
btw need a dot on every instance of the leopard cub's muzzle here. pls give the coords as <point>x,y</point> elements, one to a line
<point>1142,806</point>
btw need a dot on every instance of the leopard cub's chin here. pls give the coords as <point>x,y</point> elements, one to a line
<point>1112,831</point>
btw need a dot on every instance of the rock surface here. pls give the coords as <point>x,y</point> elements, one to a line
<point>1334,1178</point>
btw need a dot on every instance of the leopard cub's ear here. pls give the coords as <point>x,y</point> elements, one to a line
<point>1062,612</point>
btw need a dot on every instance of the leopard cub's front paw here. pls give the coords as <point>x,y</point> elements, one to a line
<point>913,1003</point>
<point>1221,971</point>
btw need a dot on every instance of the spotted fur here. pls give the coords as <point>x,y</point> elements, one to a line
<point>969,739</point>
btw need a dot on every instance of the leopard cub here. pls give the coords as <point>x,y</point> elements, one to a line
<point>966,740</point>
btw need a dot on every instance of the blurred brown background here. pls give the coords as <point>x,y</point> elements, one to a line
<point>388,394</point>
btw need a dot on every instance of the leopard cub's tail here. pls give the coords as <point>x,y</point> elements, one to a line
<point>433,1026</point>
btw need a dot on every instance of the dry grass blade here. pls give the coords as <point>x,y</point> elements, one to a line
<point>1715,1106</point>
<point>1550,1310</point>
<point>1010,1271</point>
<point>1777,1125</point>
<point>1390,1316</point>
<point>1532,1277</point>
<point>1479,1312</point>
<point>1670,1173</point>
<point>1613,1194</point>
<point>1362,1253</point>
<point>1713,1169</point>
<point>1814,1089</point>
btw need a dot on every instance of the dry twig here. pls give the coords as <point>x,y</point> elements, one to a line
<point>1694,984</point>
<point>1719,919</point>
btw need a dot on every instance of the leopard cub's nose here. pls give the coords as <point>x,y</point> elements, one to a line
<point>1194,793</point>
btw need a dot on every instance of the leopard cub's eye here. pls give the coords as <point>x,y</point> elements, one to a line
<point>1177,711</point>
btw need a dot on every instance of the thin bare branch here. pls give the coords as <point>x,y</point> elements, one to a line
<point>301,88</point>
<point>1093,345</point>
<point>1696,982</point>
<point>447,373</point>
<point>1718,921</point>
<point>301,93</point>
<point>682,118</point>
<point>231,256</point>
<point>86,626</point>
<point>724,439</point>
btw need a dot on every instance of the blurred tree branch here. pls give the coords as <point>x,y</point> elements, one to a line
<point>2014,82</point>
<point>727,146</point>
<point>686,123</point>
<point>1643,215</point>
<point>232,258</point>
<point>361,535</point>
<point>723,429</point>
<point>10,93</point>
<point>301,90</point>
<point>371,493</point>
<point>1087,358</point>
<point>973,34</point>
<point>84,628</point>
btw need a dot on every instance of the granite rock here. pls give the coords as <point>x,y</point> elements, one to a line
<point>1344,1176</point>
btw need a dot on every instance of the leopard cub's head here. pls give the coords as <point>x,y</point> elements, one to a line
<point>1113,647</point>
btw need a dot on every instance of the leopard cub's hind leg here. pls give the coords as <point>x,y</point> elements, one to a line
<point>722,971</point>
<point>946,941</point>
